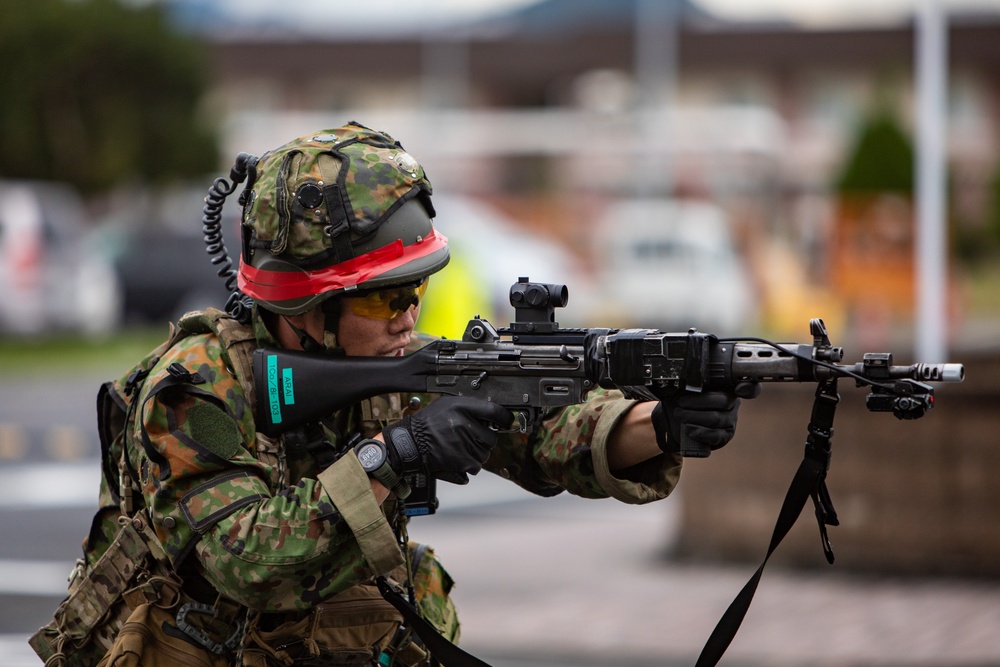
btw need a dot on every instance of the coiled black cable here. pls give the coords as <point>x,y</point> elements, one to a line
<point>238,305</point>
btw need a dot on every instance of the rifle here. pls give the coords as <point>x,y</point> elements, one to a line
<point>535,365</point>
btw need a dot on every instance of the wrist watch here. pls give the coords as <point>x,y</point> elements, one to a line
<point>374,459</point>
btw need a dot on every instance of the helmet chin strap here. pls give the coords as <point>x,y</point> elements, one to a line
<point>331,321</point>
<point>331,325</point>
<point>306,341</point>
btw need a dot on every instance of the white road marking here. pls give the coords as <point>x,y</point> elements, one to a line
<point>49,485</point>
<point>15,651</point>
<point>34,577</point>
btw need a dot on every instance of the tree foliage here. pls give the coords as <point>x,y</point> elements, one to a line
<point>993,205</point>
<point>881,159</point>
<point>96,92</point>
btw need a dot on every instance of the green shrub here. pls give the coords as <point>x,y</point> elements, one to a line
<point>881,159</point>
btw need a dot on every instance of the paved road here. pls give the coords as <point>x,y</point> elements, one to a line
<point>551,583</point>
<point>46,419</point>
<point>571,582</point>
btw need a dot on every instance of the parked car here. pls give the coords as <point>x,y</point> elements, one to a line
<point>159,254</point>
<point>53,274</point>
<point>166,273</point>
<point>671,264</point>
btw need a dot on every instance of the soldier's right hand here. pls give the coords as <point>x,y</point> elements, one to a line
<point>450,439</point>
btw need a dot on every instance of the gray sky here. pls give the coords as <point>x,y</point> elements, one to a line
<point>833,11</point>
<point>813,12</point>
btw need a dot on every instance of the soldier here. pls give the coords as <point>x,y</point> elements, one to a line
<point>218,545</point>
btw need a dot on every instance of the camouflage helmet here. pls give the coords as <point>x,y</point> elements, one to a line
<point>332,212</point>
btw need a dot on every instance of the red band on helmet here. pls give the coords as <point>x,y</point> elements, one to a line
<point>267,285</point>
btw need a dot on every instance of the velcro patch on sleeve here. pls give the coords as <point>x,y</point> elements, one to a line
<point>214,430</point>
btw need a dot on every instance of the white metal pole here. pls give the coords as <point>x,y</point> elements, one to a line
<point>931,242</point>
<point>657,35</point>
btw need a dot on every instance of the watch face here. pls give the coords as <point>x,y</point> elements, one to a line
<point>370,455</point>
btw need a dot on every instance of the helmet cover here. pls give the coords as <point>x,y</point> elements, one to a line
<point>332,212</point>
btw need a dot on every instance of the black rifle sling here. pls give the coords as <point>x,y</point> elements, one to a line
<point>446,653</point>
<point>809,482</point>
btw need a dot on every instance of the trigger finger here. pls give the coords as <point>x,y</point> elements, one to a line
<point>710,437</point>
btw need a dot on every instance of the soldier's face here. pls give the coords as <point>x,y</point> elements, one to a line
<point>360,336</point>
<point>373,337</point>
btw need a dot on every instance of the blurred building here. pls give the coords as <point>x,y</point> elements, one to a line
<point>583,57</point>
<point>555,109</point>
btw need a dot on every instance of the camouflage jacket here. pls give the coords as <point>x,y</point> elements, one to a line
<point>282,524</point>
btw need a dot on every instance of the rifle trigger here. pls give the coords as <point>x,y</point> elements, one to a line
<point>522,421</point>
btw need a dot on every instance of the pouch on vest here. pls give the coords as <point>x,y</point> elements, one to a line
<point>144,641</point>
<point>358,626</point>
<point>85,625</point>
<point>351,628</point>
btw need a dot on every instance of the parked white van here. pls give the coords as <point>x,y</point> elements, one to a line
<point>671,264</point>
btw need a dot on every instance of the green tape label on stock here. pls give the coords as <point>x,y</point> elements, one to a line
<point>273,391</point>
<point>288,386</point>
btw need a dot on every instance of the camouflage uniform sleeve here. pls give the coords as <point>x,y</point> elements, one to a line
<point>569,452</point>
<point>213,501</point>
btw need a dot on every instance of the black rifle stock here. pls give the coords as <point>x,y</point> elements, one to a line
<point>535,365</point>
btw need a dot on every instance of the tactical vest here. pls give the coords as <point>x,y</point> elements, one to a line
<point>126,582</point>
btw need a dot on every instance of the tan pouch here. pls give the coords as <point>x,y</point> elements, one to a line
<point>143,642</point>
<point>351,628</point>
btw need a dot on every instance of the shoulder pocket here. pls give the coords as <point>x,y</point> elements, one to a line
<point>211,502</point>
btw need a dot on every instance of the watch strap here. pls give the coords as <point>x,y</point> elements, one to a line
<point>404,448</point>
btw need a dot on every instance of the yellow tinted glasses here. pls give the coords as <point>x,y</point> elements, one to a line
<point>388,303</point>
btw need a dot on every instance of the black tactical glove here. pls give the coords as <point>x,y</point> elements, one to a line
<point>695,424</point>
<point>449,439</point>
